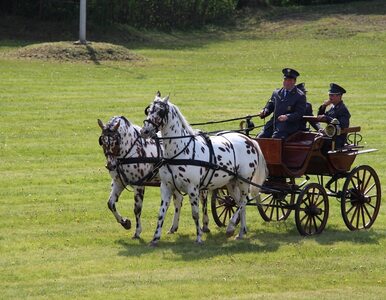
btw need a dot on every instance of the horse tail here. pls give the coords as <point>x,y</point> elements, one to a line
<point>261,172</point>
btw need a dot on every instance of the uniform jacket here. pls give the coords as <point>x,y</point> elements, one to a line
<point>341,113</point>
<point>293,105</point>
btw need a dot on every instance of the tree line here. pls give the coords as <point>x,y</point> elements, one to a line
<point>161,14</point>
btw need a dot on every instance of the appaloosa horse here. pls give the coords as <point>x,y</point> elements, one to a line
<point>194,162</point>
<point>120,139</point>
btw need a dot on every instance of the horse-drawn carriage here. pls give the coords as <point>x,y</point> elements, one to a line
<point>292,163</point>
<point>193,160</point>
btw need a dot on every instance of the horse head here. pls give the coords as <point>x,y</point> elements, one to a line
<point>110,140</point>
<point>157,116</point>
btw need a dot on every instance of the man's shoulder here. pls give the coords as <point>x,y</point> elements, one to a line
<point>277,91</point>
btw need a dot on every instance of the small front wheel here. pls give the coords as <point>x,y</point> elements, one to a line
<point>311,212</point>
<point>223,207</point>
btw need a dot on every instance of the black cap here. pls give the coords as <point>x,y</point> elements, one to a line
<point>336,89</point>
<point>290,73</point>
<point>302,87</point>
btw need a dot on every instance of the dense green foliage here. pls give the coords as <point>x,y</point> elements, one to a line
<point>58,240</point>
<point>164,14</point>
<point>139,13</point>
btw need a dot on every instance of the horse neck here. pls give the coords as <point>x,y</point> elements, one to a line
<point>129,136</point>
<point>176,126</point>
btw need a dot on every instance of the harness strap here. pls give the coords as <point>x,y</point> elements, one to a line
<point>212,161</point>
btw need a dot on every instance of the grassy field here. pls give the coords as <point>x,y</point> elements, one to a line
<point>59,240</point>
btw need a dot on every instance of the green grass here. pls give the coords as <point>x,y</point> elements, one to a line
<point>59,240</point>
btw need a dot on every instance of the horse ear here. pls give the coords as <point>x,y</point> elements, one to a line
<point>116,126</point>
<point>158,94</point>
<point>166,99</point>
<point>100,123</point>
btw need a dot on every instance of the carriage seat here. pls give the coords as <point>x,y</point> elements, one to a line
<point>297,147</point>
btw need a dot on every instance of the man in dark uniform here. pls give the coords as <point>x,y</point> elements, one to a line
<point>338,111</point>
<point>303,123</point>
<point>288,105</point>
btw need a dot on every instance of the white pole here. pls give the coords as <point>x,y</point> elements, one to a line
<point>82,22</point>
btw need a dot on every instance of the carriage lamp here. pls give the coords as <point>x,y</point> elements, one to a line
<point>333,129</point>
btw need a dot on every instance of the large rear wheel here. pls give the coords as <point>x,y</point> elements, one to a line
<point>361,198</point>
<point>312,208</point>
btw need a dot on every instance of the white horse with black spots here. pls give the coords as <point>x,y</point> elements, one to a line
<point>194,162</point>
<point>120,139</point>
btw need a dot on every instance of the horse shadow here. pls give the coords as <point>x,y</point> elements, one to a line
<point>264,240</point>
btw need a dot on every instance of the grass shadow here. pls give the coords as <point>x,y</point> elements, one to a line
<point>265,240</point>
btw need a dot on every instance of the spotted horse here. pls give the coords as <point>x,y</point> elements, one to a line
<point>132,160</point>
<point>194,161</point>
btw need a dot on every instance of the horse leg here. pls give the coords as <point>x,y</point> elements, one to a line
<point>194,202</point>
<point>177,198</point>
<point>234,192</point>
<point>116,190</point>
<point>138,201</point>
<point>166,194</point>
<point>205,218</point>
<point>243,203</point>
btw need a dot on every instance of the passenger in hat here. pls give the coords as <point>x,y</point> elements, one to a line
<point>337,111</point>
<point>303,124</point>
<point>288,105</point>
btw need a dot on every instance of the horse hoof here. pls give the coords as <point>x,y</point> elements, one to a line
<point>230,233</point>
<point>199,242</point>
<point>238,237</point>
<point>205,229</point>
<point>153,244</point>
<point>126,223</point>
<point>135,237</point>
<point>172,231</point>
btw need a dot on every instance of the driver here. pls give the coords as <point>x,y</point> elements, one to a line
<point>337,111</point>
<point>288,105</point>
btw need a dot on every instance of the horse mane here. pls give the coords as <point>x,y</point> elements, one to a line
<point>115,119</point>
<point>184,122</point>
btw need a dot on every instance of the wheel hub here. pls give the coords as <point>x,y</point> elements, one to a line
<point>313,210</point>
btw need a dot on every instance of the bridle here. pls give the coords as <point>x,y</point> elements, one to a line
<point>163,114</point>
<point>111,138</point>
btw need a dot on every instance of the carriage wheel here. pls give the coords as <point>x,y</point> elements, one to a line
<point>361,198</point>
<point>270,206</point>
<point>223,207</point>
<point>311,211</point>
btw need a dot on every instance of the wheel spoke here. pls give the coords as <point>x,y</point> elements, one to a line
<point>363,217</point>
<point>355,211</point>
<point>315,226</point>
<point>225,217</point>
<point>353,183</point>
<point>319,218</point>
<point>271,212</point>
<point>358,217</point>
<point>361,184</point>
<point>320,202</point>
<point>369,189</point>
<point>350,209</point>
<point>367,183</point>
<point>282,211</point>
<point>222,212</point>
<point>367,212</point>
<point>302,219</point>
<point>266,198</point>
